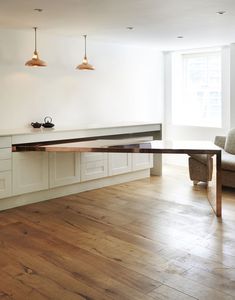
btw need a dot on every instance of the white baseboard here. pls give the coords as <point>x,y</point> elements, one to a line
<point>25,199</point>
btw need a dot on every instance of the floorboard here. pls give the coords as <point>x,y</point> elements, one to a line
<point>155,238</point>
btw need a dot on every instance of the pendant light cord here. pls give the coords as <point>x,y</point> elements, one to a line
<point>35,38</point>
<point>85,44</point>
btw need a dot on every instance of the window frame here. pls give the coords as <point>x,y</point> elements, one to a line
<point>178,85</point>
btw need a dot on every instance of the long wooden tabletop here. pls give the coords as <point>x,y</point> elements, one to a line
<point>155,146</point>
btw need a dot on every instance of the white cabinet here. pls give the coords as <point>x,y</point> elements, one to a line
<point>5,167</point>
<point>119,163</point>
<point>142,161</point>
<point>5,142</point>
<point>64,168</point>
<point>5,184</point>
<point>94,166</point>
<point>30,172</point>
<point>5,153</point>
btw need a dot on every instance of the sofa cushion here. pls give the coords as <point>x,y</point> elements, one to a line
<point>228,161</point>
<point>230,142</point>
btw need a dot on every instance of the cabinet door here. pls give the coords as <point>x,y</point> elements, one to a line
<point>95,156</point>
<point>5,164</point>
<point>119,163</point>
<point>5,184</point>
<point>5,142</point>
<point>5,153</point>
<point>142,161</point>
<point>30,172</point>
<point>94,166</point>
<point>64,168</point>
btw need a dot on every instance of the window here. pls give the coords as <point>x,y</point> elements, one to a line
<point>197,89</point>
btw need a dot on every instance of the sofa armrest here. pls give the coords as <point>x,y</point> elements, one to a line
<point>220,141</point>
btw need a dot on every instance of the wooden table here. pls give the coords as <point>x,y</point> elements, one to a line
<point>214,191</point>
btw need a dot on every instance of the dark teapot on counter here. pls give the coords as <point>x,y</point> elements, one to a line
<point>48,123</point>
<point>36,124</point>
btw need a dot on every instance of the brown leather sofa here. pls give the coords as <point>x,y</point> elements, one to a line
<point>201,165</point>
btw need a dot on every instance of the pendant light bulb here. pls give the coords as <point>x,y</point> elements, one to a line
<point>85,65</point>
<point>35,61</point>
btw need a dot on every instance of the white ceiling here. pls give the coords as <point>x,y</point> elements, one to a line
<point>155,22</point>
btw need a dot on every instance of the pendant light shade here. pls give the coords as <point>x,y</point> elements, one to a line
<point>85,65</point>
<point>35,61</point>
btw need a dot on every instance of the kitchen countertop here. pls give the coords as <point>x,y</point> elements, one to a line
<point>31,130</point>
<point>33,135</point>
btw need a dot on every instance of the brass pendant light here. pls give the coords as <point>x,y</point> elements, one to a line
<point>85,65</point>
<point>35,61</point>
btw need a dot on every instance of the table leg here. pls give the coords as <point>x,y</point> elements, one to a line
<point>214,189</point>
<point>218,185</point>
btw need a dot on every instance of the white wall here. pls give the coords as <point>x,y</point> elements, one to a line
<point>127,85</point>
<point>232,85</point>
<point>175,132</point>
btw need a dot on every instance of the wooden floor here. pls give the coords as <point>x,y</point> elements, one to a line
<point>155,238</point>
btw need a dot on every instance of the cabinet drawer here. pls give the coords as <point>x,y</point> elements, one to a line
<point>120,163</point>
<point>64,168</point>
<point>5,142</point>
<point>142,161</point>
<point>88,157</point>
<point>5,184</point>
<point>5,165</point>
<point>30,172</point>
<point>5,153</point>
<point>94,170</point>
